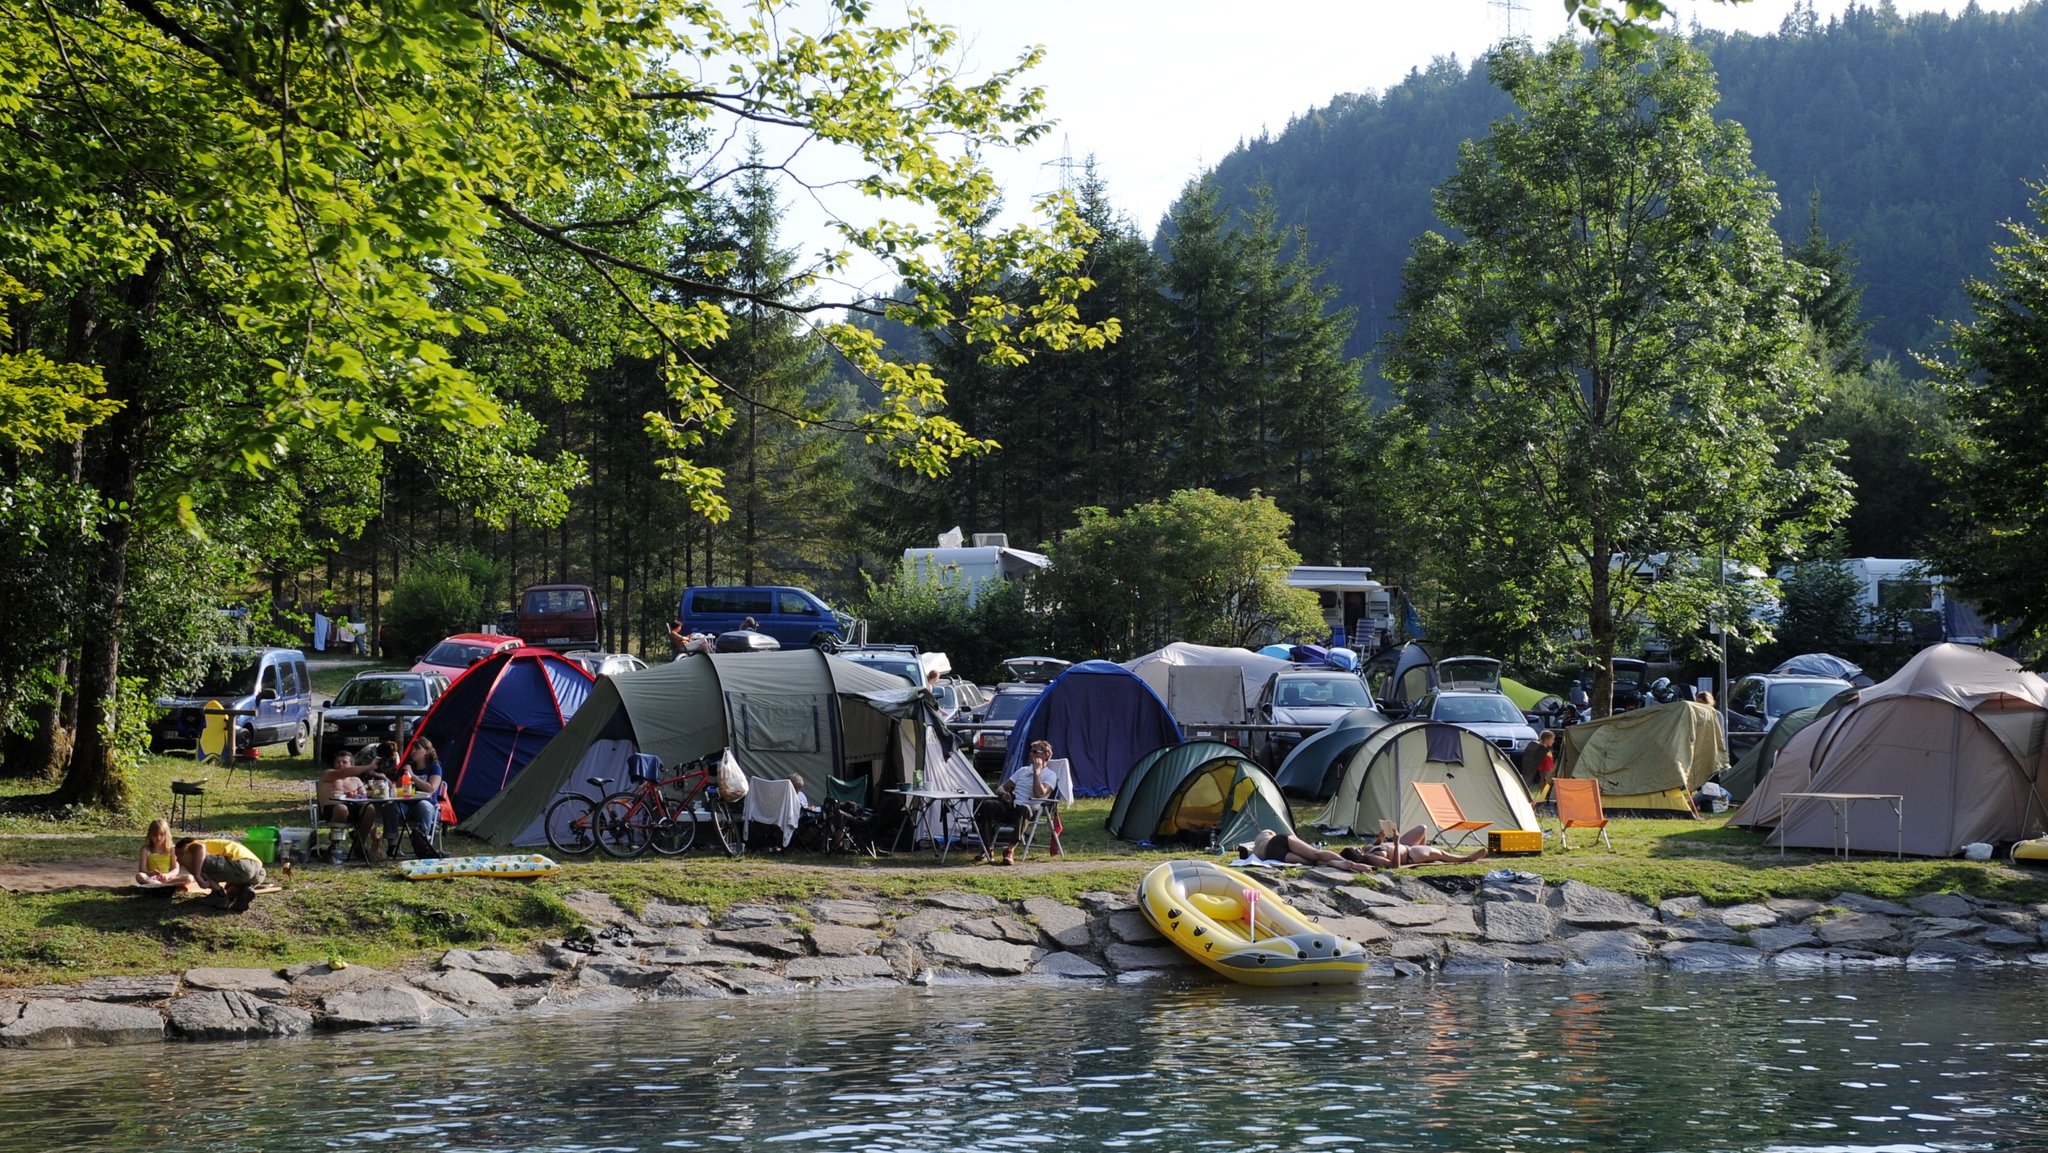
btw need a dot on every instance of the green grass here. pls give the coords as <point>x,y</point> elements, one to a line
<point>369,916</point>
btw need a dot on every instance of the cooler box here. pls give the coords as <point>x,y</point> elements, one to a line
<point>262,841</point>
<point>294,844</point>
<point>1514,843</point>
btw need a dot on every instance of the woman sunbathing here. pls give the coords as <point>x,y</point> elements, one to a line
<point>1410,848</point>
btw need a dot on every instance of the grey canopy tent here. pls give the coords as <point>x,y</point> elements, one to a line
<point>797,713</point>
<point>1203,791</point>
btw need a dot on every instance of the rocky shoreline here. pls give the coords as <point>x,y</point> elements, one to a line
<point>1416,924</point>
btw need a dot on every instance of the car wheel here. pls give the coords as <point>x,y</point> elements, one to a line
<point>297,744</point>
<point>827,642</point>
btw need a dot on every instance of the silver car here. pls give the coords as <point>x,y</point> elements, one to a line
<point>1312,698</point>
<point>1485,711</point>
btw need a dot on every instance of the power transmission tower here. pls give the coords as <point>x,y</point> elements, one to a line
<point>1508,8</point>
<point>1065,164</point>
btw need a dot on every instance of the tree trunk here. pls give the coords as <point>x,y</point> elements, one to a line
<point>1600,626</point>
<point>94,777</point>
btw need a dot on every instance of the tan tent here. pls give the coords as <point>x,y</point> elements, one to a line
<point>1379,776</point>
<point>1653,758</point>
<point>1791,771</point>
<point>1957,733</point>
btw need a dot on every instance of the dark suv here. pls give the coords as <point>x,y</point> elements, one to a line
<point>369,708</point>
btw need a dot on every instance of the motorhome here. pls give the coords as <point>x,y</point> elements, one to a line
<point>1353,603</point>
<point>957,564</point>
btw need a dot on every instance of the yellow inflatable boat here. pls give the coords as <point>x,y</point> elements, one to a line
<point>1242,929</point>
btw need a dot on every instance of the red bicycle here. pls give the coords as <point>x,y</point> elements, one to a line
<point>662,814</point>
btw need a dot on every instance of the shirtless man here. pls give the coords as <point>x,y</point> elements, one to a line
<point>1274,845</point>
<point>338,780</point>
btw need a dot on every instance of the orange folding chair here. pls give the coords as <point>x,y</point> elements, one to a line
<point>1578,807</point>
<point>1444,813</point>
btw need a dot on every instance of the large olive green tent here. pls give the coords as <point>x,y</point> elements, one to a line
<point>1378,780</point>
<point>794,713</point>
<point>1653,758</point>
<point>1203,791</point>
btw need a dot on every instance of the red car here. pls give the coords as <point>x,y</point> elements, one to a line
<point>453,656</point>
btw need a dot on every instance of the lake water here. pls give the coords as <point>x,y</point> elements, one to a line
<point>1863,1063</point>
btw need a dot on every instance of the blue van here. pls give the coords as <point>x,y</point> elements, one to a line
<point>790,615</point>
<point>269,691</point>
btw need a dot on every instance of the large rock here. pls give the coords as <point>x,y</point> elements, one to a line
<point>1062,922</point>
<point>1069,966</point>
<point>1001,929</point>
<point>1794,908</point>
<point>1604,949</point>
<point>1779,938</point>
<point>779,940</point>
<point>1858,903</point>
<point>1355,898</point>
<point>257,982</point>
<point>1477,957</point>
<point>1363,930</point>
<point>1509,921</point>
<point>963,902</point>
<point>383,1006</point>
<point>1747,917</point>
<point>1130,958</point>
<point>1944,951</point>
<point>1589,907</point>
<point>840,970</point>
<point>1709,957</point>
<point>860,914</point>
<point>1131,927</point>
<point>980,953</point>
<point>1856,927</point>
<point>835,939</point>
<point>665,913</point>
<point>625,974</point>
<point>467,988</point>
<point>234,1015</point>
<point>112,989</point>
<point>1682,909</point>
<point>754,982</point>
<point>1943,905</point>
<point>500,966</point>
<point>49,1023</point>
<point>317,979</point>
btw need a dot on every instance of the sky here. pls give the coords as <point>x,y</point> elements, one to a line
<point>1160,90</point>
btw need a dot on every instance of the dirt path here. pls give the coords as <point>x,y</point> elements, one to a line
<point>54,876</point>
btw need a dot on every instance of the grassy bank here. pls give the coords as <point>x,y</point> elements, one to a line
<point>369,916</point>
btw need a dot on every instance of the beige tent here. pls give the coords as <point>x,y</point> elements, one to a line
<point>1957,733</point>
<point>1653,758</point>
<point>1379,776</point>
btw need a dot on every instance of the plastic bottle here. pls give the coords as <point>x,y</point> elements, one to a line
<point>405,782</point>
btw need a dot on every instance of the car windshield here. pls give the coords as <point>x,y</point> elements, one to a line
<point>1009,706</point>
<point>383,691</point>
<point>456,654</point>
<point>907,669</point>
<point>1321,693</point>
<point>1797,695</point>
<point>235,680</point>
<point>1478,710</point>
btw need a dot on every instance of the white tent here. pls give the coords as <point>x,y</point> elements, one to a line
<point>1157,670</point>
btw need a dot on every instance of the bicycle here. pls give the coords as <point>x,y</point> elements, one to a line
<point>649,816</point>
<point>571,821</point>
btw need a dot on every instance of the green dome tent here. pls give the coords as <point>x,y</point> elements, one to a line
<point>1742,777</point>
<point>1313,769</point>
<point>1377,780</point>
<point>1203,790</point>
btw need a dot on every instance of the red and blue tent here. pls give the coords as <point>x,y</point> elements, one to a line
<point>496,716</point>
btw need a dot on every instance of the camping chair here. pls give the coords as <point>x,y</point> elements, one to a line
<point>772,803</point>
<point>1578,806</point>
<point>847,818</point>
<point>1444,813</point>
<point>1047,812</point>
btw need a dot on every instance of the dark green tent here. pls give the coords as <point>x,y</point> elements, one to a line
<point>1741,778</point>
<point>794,713</point>
<point>1204,791</point>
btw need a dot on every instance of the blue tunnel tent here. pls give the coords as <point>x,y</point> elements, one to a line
<point>792,713</point>
<point>1315,766</point>
<point>496,717</point>
<point>1202,792</point>
<point>1101,717</point>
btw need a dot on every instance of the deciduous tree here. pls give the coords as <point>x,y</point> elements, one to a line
<point>1599,372</point>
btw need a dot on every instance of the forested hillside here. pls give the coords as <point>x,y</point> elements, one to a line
<point>1918,134</point>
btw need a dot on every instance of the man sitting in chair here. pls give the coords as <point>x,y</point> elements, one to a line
<point>1035,780</point>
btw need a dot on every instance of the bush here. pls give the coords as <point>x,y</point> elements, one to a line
<point>916,610</point>
<point>439,595</point>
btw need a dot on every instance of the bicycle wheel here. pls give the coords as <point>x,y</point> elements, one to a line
<point>731,826</point>
<point>623,825</point>
<point>673,830</point>
<point>570,827</point>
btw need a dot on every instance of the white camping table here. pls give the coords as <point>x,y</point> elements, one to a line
<point>1841,804</point>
